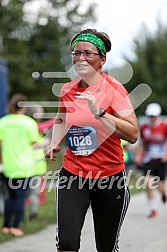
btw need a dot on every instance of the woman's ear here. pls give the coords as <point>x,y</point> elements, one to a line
<point>103,60</point>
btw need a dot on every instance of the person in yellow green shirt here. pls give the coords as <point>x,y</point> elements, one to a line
<point>18,133</point>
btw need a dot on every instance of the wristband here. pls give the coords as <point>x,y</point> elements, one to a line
<point>100,114</point>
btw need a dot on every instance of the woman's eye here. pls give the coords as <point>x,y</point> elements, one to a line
<point>88,54</point>
<point>77,53</point>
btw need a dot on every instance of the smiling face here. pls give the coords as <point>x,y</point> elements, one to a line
<point>85,65</point>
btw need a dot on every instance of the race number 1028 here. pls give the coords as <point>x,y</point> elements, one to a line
<point>80,140</point>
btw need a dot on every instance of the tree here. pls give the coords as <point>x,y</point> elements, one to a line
<point>150,66</point>
<point>38,42</point>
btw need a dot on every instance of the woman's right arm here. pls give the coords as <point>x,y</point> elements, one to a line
<point>59,131</point>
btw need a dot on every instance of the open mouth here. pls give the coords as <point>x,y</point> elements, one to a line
<point>80,65</point>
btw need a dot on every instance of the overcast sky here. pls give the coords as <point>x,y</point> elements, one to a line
<point>122,20</point>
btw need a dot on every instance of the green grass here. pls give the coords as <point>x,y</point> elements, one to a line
<point>133,186</point>
<point>47,216</point>
<point>134,190</point>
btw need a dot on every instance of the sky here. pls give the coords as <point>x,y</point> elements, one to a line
<point>123,20</point>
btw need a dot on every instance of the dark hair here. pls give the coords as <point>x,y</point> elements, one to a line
<point>13,106</point>
<point>102,35</point>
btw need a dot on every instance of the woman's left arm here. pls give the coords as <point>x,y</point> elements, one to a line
<point>123,125</point>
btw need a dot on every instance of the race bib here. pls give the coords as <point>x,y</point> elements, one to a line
<point>155,151</point>
<point>81,140</point>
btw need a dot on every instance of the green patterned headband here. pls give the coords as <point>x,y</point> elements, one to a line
<point>88,37</point>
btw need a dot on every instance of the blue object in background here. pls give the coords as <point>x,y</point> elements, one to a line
<point>3,87</point>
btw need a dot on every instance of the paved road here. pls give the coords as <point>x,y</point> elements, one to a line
<point>139,233</point>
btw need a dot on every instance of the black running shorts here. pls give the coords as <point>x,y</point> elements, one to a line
<point>155,168</point>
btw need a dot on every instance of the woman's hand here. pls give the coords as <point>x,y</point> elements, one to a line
<point>91,99</point>
<point>50,150</point>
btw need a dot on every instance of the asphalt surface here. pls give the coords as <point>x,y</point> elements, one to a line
<point>139,233</point>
